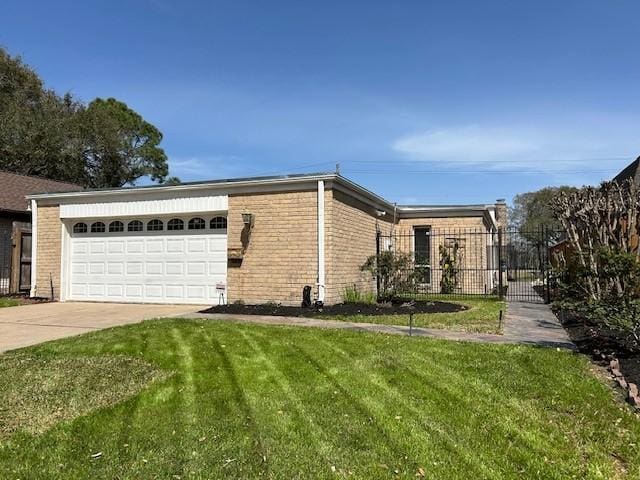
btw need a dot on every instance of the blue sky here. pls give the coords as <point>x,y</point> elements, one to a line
<point>421,101</point>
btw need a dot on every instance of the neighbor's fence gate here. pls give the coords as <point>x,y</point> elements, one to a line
<point>450,263</point>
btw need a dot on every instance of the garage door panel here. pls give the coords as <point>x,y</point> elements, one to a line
<point>115,268</point>
<point>217,268</point>
<point>96,268</point>
<point>134,268</point>
<point>175,245</point>
<point>96,247</point>
<point>133,291</point>
<point>115,290</point>
<point>196,245</point>
<point>196,268</point>
<point>153,268</point>
<point>170,267</point>
<point>80,248</point>
<point>174,291</point>
<point>135,246</point>
<point>154,246</point>
<point>153,291</point>
<point>79,268</point>
<point>174,268</point>
<point>115,246</point>
<point>96,290</point>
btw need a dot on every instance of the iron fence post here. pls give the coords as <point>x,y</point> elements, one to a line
<point>500,286</point>
<point>547,264</point>
<point>378,263</point>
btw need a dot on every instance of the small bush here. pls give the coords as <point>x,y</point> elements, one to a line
<point>395,271</point>
<point>238,302</point>
<point>353,295</point>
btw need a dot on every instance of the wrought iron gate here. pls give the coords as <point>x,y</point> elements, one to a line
<point>509,263</point>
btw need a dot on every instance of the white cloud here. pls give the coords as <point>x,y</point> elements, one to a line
<point>469,144</point>
<point>205,168</point>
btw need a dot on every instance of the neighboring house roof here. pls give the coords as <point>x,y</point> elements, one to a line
<point>278,183</point>
<point>631,171</point>
<point>14,188</point>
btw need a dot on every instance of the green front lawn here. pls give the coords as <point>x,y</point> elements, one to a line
<point>9,302</point>
<point>250,401</point>
<point>483,316</point>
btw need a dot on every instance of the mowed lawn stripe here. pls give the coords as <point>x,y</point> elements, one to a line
<point>466,410</point>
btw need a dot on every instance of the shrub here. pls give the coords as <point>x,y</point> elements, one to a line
<point>353,295</point>
<point>450,268</point>
<point>395,272</point>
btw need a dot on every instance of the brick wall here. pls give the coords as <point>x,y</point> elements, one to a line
<point>351,237</point>
<point>48,251</point>
<point>281,255</point>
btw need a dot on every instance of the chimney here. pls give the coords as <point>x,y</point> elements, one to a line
<point>501,213</point>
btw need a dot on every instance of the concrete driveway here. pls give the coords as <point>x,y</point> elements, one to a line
<point>31,324</point>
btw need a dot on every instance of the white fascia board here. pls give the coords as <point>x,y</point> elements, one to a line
<point>143,207</point>
<point>226,187</point>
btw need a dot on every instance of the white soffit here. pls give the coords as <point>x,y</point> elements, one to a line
<point>215,203</point>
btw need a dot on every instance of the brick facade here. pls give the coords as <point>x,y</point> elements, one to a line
<point>281,255</point>
<point>48,252</point>
<point>278,256</point>
<point>351,238</point>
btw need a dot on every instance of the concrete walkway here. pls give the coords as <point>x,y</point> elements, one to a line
<point>31,324</point>
<point>532,324</point>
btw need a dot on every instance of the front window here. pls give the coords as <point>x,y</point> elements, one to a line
<point>135,226</point>
<point>218,223</point>
<point>116,226</point>
<point>175,224</point>
<point>97,227</point>
<point>422,253</point>
<point>155,226</point>
<point>197,224</point>
<point>80,228</point>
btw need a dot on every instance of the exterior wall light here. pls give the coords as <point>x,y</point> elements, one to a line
<point>247,219</point>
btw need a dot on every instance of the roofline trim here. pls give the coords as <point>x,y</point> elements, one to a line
<point>275,183</point>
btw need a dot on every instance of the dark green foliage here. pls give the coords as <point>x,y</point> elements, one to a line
<point>450,268</point>
<point>395,270</point>
<point>119,145</point>
<point>104,144</point>
<point>531,212</point>
<point>354,295</point>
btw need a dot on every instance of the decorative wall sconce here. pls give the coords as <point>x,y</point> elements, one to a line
<point>247,219</point>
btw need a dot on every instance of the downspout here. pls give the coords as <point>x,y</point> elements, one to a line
<point>321,279</point>
<point>34,246</point>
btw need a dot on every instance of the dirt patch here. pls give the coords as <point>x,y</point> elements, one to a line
<point>23,299</point>
<point>39,392</point>
<point>391,308</point>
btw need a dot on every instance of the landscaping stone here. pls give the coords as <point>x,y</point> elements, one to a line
<point>614,364</point>
<point>622,383</point>
<point>616,373</point>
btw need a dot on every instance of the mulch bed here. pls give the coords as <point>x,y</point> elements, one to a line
<point>390,308</point>
<point>601,345</point>
<point>27,300</point>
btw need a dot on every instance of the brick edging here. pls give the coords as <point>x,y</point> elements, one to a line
<point>631,389</point>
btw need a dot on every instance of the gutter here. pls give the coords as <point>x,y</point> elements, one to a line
<point>321,249</point>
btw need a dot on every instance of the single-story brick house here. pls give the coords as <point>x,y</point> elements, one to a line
<point>251,239</point>
<point>15,227</point>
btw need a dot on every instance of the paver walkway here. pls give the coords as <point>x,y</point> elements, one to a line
<point>532,324</point>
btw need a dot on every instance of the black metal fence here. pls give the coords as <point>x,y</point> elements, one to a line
<point>432,263</point>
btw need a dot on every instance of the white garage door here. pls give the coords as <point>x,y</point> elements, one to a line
<point>163,260</point>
